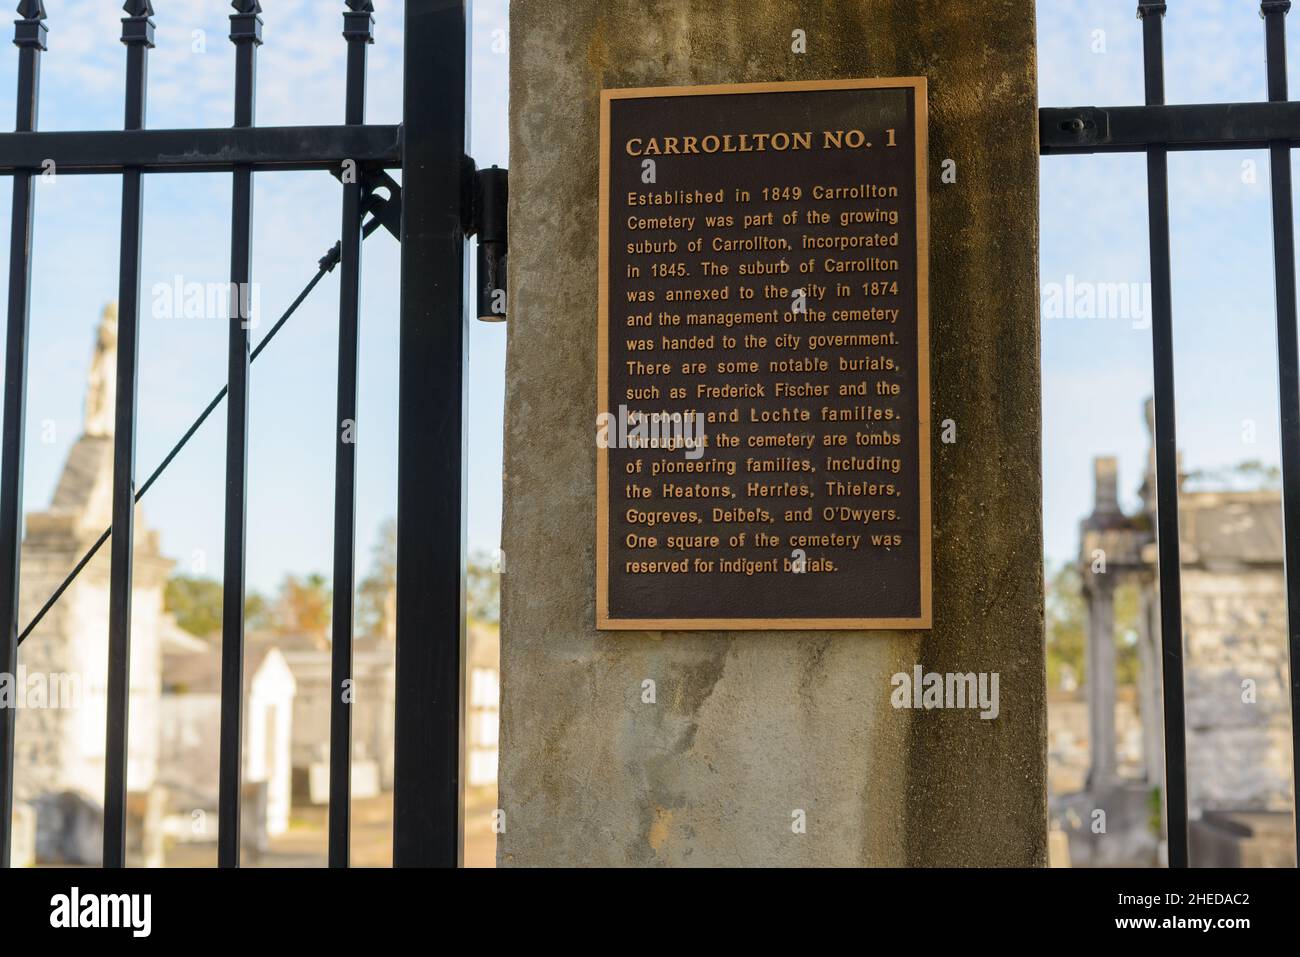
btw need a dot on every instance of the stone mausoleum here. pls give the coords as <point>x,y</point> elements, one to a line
<point>171,757</point>
<point>59,752</point>
<point>1234,633</point>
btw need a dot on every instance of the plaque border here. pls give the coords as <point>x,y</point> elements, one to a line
<point>919,88</point>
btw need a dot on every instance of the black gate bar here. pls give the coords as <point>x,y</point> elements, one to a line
<point>358,29</point>
<point>436,181</point>
<point>1166,448</point>
<point>246,34</point>
<point>137,34</point>
<point>1288,373</point>
<point>29,37</point>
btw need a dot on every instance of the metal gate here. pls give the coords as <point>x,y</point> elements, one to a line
<point>437,205</point>
<point>1156,129</point>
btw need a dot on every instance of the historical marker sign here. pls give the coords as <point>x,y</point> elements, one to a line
<point>763,395</point>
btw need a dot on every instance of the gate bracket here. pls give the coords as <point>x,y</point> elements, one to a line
<point>384,211</point>
<point>1080,128</point>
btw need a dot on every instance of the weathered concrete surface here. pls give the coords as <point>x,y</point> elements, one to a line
<point>749,727</point>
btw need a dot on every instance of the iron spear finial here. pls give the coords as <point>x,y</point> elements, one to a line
<point>30,31</point>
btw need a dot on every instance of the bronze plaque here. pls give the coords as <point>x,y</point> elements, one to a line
<point>763,395</point>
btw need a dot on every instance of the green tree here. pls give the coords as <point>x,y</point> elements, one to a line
<point>373,605</point>
<point>1126,623</point>
<point>1065,624</point>
<point>195,603</point>
<point>375,591</point>
<point>1249,474</point>
<point>303,606</point>
<point>256,611</point>
<point>1067,627</point>
<point>482,590</point>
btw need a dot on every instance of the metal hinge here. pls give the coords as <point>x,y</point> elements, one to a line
<point>485,201</point>
<point>489,202</point>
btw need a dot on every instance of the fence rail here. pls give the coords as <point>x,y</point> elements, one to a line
<point>198,151</point>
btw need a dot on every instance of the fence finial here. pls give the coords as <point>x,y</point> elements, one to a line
<point>137,28</point>
<point>30,31</point>
<point>1274,6</point>
<point>1148,7</point>
<point>245,22</point>
<point>359,21</point>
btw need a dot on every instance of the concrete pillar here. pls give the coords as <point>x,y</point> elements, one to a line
<point>748,730</point>
<point>1101,683</point>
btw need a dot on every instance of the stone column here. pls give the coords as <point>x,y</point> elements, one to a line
<point>1101,682</point>
<point>1150,684</point>
<point>1105,495</point>
<point>749,729</point>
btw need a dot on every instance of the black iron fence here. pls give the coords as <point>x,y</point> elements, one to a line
<point>433,210</point>
<point>1155,129</point>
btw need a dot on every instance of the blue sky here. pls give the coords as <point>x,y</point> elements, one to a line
<point>1096,372</point>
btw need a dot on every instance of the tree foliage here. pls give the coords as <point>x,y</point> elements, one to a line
<point>374,605</point>
<point>303,605</point>
<point>482,590</point>
<point>195,603</point>
<point>1067,628</point>
<point>1065,625</point>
